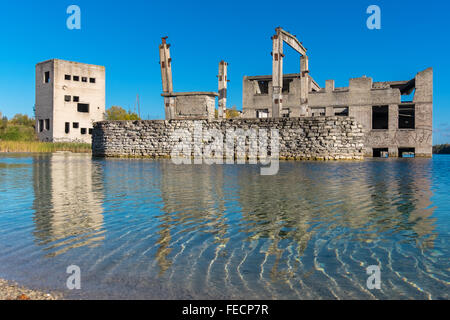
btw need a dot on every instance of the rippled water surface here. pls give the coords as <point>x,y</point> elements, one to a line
<point>152,229</point>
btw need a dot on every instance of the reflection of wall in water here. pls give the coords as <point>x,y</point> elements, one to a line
<point>68,199</point>
<point>193,198</point>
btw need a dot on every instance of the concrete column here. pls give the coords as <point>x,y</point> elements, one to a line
<point>223,84</point>
<point>393,117</point>
<point>277,76</point>
<point>166,66</point>
<point>169,107</point>
<point>304,85</point>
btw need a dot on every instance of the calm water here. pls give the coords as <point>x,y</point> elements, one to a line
<point>151,229</point>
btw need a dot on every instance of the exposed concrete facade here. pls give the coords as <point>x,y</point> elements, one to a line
<point>70,97</point>
<point>187,105</point>
<point>393,126</point>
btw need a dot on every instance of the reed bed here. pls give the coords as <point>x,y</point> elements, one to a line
<point>36,146</point>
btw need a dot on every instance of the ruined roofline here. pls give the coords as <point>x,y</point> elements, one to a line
<point>194,93</point>
<point>72,62</point>
<point>285,76</point>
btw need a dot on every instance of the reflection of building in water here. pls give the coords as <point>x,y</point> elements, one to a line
<point>336,199</point>
<point>354,202</point>
<point>68,200</point>
<point>193,196</point>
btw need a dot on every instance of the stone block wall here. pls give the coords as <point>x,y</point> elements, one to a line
<point>318,138</point>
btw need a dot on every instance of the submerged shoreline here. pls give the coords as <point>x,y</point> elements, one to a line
<point>10,290</point>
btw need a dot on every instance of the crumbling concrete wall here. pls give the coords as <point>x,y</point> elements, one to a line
<point>362,94</point>
<point>323,138</point>
<point>359,98</point>
<point>190,105</point>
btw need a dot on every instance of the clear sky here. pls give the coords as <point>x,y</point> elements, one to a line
<point>124,36</point>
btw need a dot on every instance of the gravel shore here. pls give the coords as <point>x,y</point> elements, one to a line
<point>10,290</point>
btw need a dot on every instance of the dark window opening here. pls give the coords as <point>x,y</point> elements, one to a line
<point>263,113</point>
<point>47,76</point>
<point>76,125</point>
<point>92,80</point>
<point>67,77</point>
<point>380,152</point>
<point>84,79</point>
<point>83,130</point>
<point>67,98</point>
<point>76,99</point>
<point>67,129</point>
<point>76,78</point>
<point>406,117</point>
<point>263,87</point>
<point>286,85</point>
<point>83,107</point>
<point>41,125</point>
<point>47,124</point>
<point>380,117</point>
<point>341,112</point>
<point>406,152</point>
<point>90,130</point>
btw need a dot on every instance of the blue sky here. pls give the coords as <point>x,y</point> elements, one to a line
<point>124,37</point>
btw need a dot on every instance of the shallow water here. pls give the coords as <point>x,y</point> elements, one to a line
<point>152,229</point>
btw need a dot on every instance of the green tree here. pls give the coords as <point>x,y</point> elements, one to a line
<point>119,113</point>
<point>22,120</point>
<point>233,113</point>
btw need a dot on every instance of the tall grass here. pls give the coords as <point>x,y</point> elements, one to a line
<point>36,146</point>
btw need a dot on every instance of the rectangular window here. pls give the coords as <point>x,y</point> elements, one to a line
<point>67,129</point>
<point>341,112</point>
<point>83,130</point>
<point>76,99</point>
<point>263,87</point>
<point>406,117</point>
<point>76,125</point>
<point>318,112</point>
<point>47,124</point>
<point>76,78</point>
<point>92,80</point>
<point>41,125</point>
<point>67,77</point>
<point>263,113</point>
<point>380,152</point>
<point>83,107</point>
<point>67,98</point>
<point>83,79</point>
<point>47,77</point>
<point>380,117</point>
<point>406,152</point>
<point>90,130</point>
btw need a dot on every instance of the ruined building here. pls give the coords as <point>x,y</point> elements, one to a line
<point>70,97</point>
<point>190,105</point>
<point>393,125</point>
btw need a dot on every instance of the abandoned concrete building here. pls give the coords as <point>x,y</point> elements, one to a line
<point>190,105</point>
<point>395,124</point>
<point>70,97</point>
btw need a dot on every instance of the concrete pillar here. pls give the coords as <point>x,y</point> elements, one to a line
<point>166,66</point>
<point>277,76</point>
<point>169,107</point>
<point>223,84</point>
<point>166,76</point>
<point>329,86</point>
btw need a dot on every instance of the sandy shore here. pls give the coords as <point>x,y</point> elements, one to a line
<point>10,290</point>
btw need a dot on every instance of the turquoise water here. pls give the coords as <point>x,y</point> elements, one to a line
<point>152,229</point>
